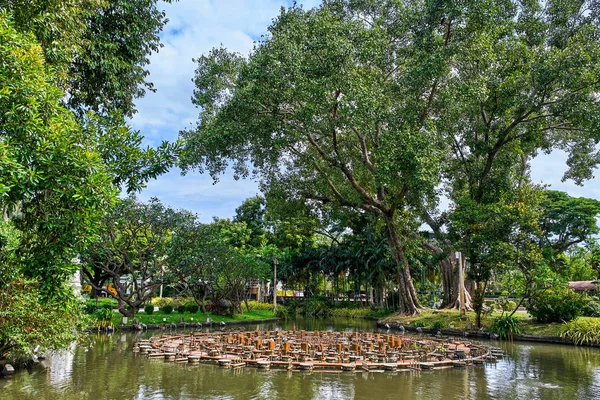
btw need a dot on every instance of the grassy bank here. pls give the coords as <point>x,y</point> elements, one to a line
<point>451,319</point>
<point>175,317</point>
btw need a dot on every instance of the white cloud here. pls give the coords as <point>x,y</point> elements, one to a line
<point>549,168</point>
<point>195,27</point>
<point>197,193</point>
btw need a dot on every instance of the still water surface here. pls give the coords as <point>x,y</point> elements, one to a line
<point>105,368</point>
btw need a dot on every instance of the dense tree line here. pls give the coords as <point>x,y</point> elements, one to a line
<point>381,107</point>
<point>358,118</point>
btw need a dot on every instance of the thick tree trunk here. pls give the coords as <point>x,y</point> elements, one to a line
<point>409,303</point>
<point>454,300</point>
<point>450,282</point>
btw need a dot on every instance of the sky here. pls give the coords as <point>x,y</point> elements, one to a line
<point>195,27</point>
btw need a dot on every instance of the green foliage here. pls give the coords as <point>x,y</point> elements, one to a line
<point>53,190</point>
<point>27,321</point>
<point>181,309</point>
<point>149,309</point>
<point>491,304</point>
<point>506,327</point>
<point>252,213</point>
<point>91,305</point>
<point>351,312</point>
<point>49,168</point>
<point>507,305</point>
<point>437,325</point>
<point>109,74</point>
<point>120,147</point>
<point>558,304</point>
<point>255,305</point>
<point>568,220</point>
<point>183,301</point>
<point>283,312</point>
<point>582,331</point>
<point>133,245</point>
<point>160,302</point>
<point>167,309</point>
<point>215,261</point>
<point>193,308</point>
<point>419,324</point>
<point>103,318</point>
<point>592,309</point>
<point>56,179</point>
<point>315,307</point>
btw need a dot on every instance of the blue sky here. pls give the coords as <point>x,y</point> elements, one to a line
<point>196,26</point>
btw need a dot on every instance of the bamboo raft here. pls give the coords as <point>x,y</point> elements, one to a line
<point>319,350</point>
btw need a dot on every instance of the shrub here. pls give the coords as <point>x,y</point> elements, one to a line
<point>181,309</point>
<point>149,309</point>
<point>168,309</point>
<point>316,307</point>
<point>438,325</point>
<point>102,304</point>
<point>103,318</point>
<point>419,324</point>
<point>491,304</point>
<point>160,302</point>
<point>506,327</point>
<point>282,312</point>
<point>183,301</point>
<point>582,331</point>
<point>559,304</point>
<point>508,305</point>
<point>255,305</point>
<point>350,312</point>
<point>193,308</point>
<point>592,309</point>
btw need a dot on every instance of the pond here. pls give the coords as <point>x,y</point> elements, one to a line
<point>104,367</point>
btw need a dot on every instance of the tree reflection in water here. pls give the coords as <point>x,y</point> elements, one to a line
<point>105,368</point>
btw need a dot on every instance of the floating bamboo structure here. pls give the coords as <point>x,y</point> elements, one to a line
<point>318,350</point>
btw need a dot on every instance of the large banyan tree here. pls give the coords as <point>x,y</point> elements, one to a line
<point>376,105</point>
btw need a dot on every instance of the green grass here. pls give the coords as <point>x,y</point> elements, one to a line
<point>158,316</point>
<point>451,319</point>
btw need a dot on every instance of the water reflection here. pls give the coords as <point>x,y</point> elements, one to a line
<point>105,368</point>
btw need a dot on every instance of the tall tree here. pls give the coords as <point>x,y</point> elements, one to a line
<point>252,212</point>
<point>48,166</point>
<point>132,251</point>
<point>109,72</point>
<point>98,49</point>
<point>567,221</point>
<point>54,189</point>
<point>523,79</point>
<point>330,106</point>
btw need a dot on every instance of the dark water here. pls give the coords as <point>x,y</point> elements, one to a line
<point>105,368</point>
